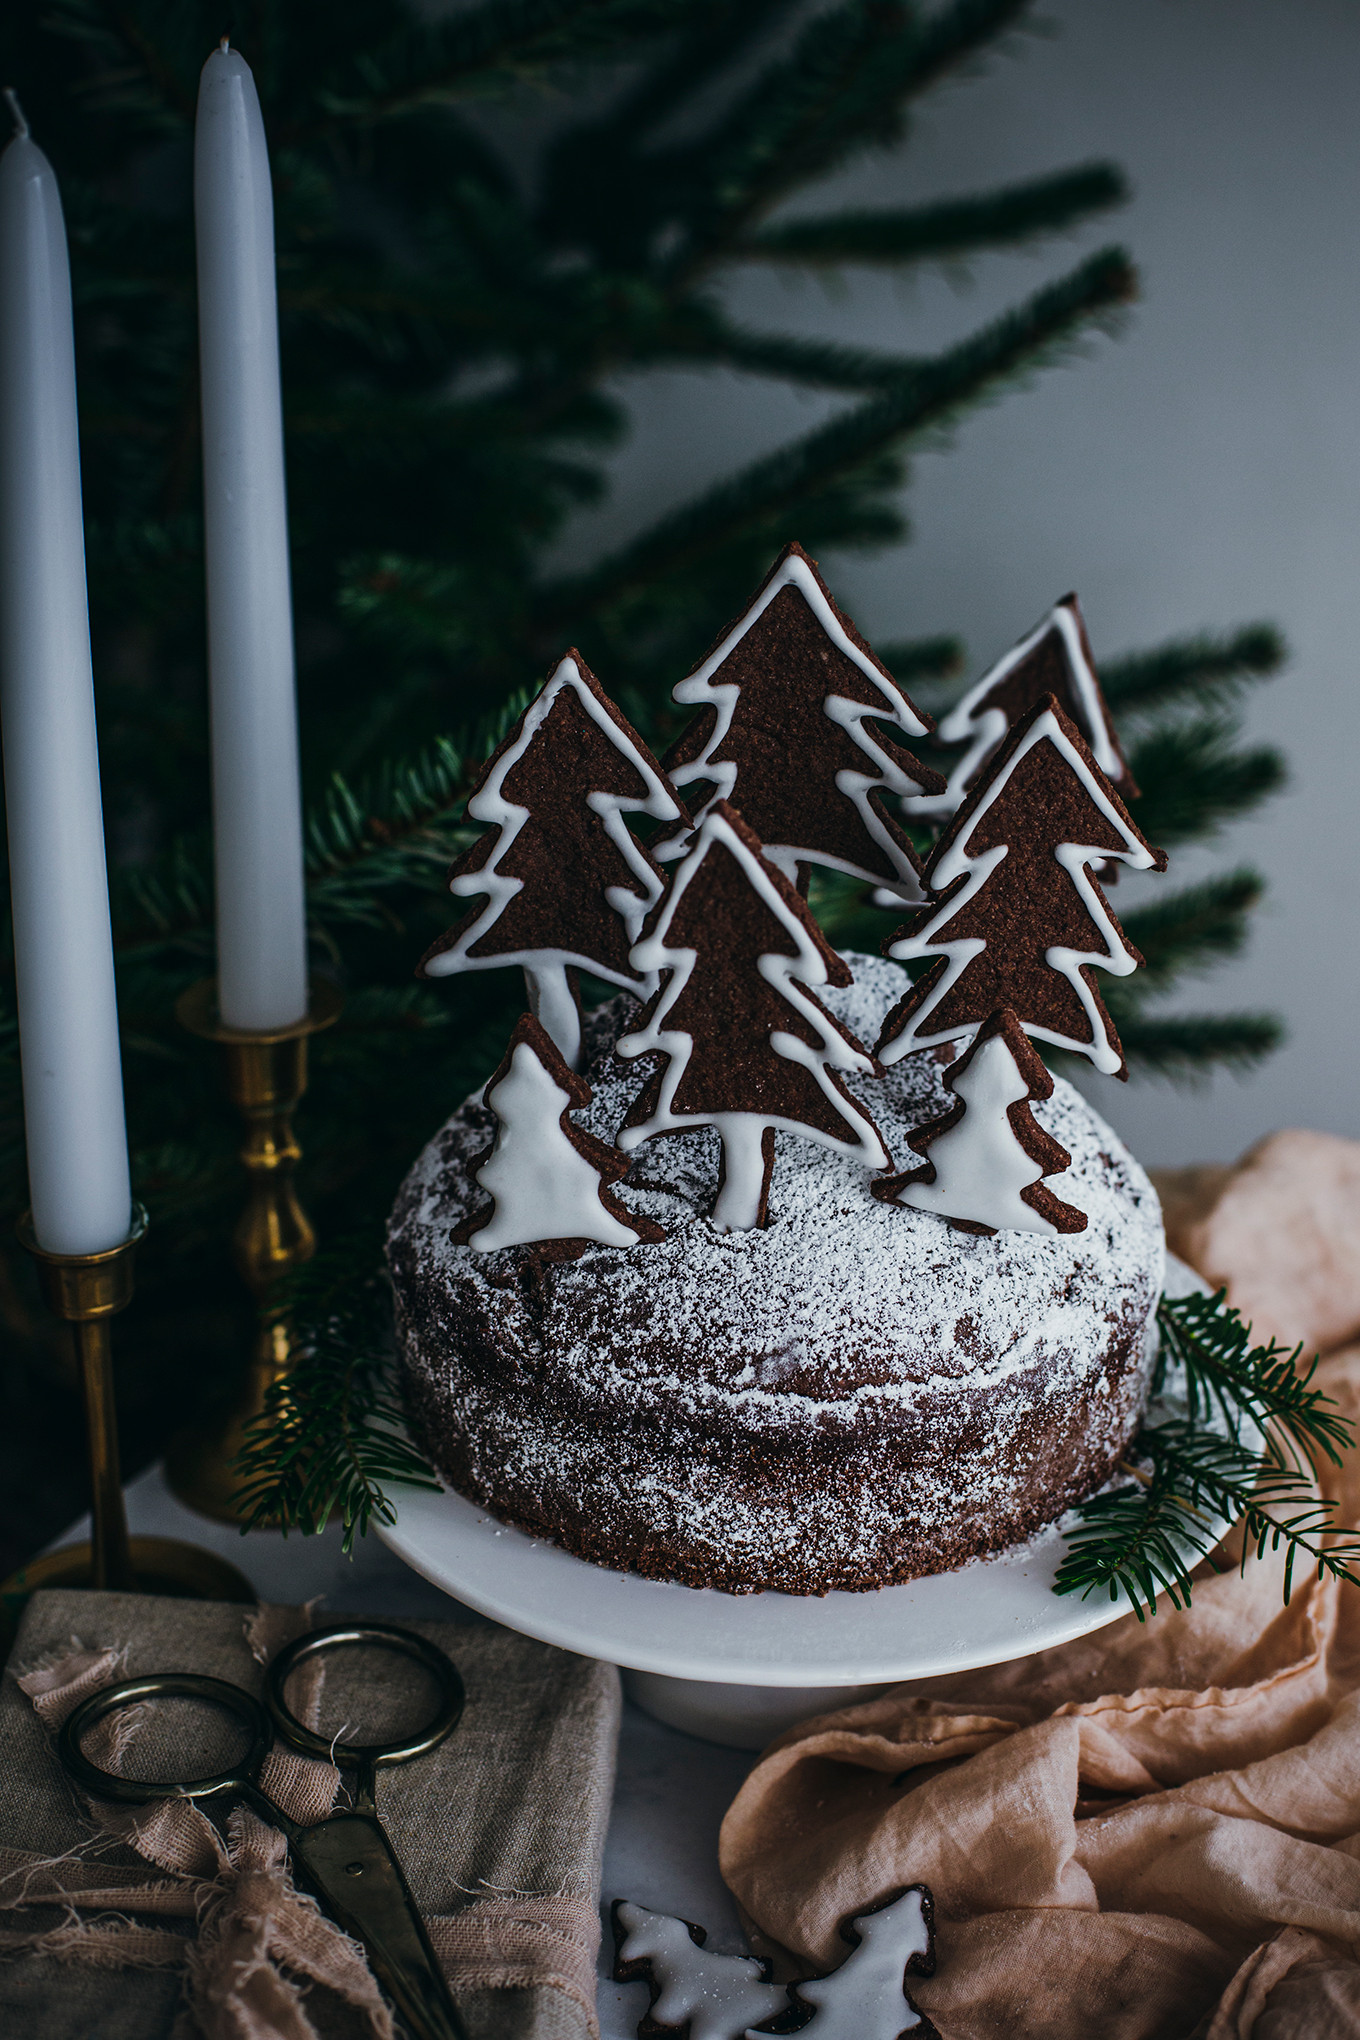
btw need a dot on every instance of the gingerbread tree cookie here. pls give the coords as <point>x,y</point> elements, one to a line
<point>1054,659</point>
<point>693,1991</point>
<point>787,698</point>
<point>866,1998</point>
<point>988,1155</point>
<point>549,1180</point>
<point>748,1047</point>
<point>565,884</point>
<point>1021,919</point>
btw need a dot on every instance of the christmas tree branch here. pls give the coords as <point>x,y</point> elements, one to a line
<point>1190,930</point>
<point>819,364</point>
<point>927,399</point>
<point>474,51</point>
<point>1186,1047</point>
<point>1258,1385</point>
<point>936,658</point>
<point>1194,781</point>
<point>1193,671</point>
<point>1142,1539</point>
<point>332,1435</point>
<point>396,831</point>
<point>944,231</point>
<point>841,89</point>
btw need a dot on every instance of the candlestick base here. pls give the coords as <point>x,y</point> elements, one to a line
<point>160,1565</point>
<point>86,1290</point>
<point>266,1075</point>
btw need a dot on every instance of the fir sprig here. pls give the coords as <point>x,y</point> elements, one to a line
<point>1259,1386</point>
<point>1247,1451</point>
<point>332,1435</point>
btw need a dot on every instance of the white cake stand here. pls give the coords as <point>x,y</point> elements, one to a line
<point>739,1668</point>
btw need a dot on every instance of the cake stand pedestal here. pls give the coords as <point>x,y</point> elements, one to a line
<point>741,1668</point>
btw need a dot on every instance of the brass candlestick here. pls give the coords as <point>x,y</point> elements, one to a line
<point>266,1075</point>
<point>87,1290</point>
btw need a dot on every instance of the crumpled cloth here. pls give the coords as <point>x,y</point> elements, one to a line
<point>260,1940</point>
<point>1154,1830</point>
<point>106,1912</point>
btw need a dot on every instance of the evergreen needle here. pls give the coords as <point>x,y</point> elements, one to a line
<point>1247,1451</point>
<point>332,1436</point>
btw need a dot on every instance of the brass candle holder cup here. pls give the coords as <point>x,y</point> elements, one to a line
<point>87,1290</point>
<point>266,1076</point>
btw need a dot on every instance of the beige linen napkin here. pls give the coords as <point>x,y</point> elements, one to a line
<point>500,1832</point>
<point>1153,1831</point>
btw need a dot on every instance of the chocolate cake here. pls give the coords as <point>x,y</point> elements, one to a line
<point>853,1393</point>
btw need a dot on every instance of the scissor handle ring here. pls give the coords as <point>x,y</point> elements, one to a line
<point>341,1636</point>
<point>103,1784</point>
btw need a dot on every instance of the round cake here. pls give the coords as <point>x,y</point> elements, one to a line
<point>854,1395</point>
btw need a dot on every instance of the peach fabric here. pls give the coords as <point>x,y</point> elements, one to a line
<point>1153,1831</point>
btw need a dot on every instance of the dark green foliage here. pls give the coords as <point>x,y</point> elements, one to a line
<point>946,231</point>
<point>1194,780</point>
<point>1192,929</point>
<point>484,222</point>
<point>1248,1449</point>
<point>332,1438</point>
<point>1191,672</point>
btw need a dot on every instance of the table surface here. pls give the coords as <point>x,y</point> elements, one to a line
<point>672,1790</point>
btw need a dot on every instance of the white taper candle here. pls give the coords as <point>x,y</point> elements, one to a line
<point>257,809</point>
<point>63,950</point>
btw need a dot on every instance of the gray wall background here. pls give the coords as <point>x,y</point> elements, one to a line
<point>1202,470</point>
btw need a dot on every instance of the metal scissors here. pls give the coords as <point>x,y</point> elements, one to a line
<point>346,1860</point>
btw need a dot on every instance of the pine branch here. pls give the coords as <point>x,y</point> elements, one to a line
<point>1194,671</point>
<point>470,53</point>
<point>332,1435</point>
<point>1259,1385</point>
<point>819,364</point>
<point>1144,1538</point>
<point>1138,1539</point>
<point>928,399</point>
<point>842,89</point>
<point>1194,781</point>
<point>945,231</point>
<point>586,192</point>
<point>1186,1047</point>
<point>936,658</point>
<point>396,832</point>
<point>1192,929</point>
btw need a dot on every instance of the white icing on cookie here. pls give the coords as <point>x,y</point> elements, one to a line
<point>931,940</point>
<point>550,997</point>
<point>982,725</point>
<point>719,1997</point>
<point>887,776</point>
<point>738,1204</point>
<point>866,1998</point>
<point>980,1166</point>
<point>543,1186</point>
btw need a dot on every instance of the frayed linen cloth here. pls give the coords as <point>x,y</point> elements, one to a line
<point>1152,1833</point>
<point>136,1923</point>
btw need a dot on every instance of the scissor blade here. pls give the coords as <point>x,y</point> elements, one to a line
<point>348,1862</point>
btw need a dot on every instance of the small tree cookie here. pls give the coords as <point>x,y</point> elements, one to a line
<point>549,1180</point>
<point>786,701</point>
<point>705,1996</point>
<point>866,1998</point>
<point>1021,919</point>
<point>988,1155</point>
<point>748,1047</point>
<point>1054,659</point>
<point>566,886</point>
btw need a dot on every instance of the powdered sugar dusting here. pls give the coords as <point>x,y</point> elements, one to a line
<point>857,1392</point>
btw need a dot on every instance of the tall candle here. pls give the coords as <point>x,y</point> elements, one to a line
<point>257,809</point>
<point>63,949</point>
